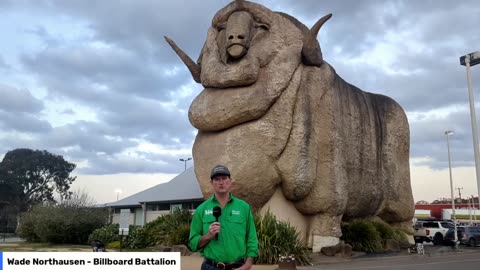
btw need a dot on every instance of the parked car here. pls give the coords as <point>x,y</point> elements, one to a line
<point>431,231</point>
<point>467,235</point>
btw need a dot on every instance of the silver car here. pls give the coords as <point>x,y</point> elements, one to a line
<point>467,235</point>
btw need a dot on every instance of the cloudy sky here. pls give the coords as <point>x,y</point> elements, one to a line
<point>94,81</point>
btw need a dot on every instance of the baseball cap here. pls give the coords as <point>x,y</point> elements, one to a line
<point>219,170</point>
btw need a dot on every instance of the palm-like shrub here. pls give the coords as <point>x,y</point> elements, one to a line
<point>277,238</point>
<point>388,232</point>
<point>167,229</point>
<point>180,235</point>
<point>362,235</point>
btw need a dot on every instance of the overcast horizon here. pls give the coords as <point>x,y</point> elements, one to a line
<point>95,82</point>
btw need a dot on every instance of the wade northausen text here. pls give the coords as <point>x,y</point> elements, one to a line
<point>96,261</point>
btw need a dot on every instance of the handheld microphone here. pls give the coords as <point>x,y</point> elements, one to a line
<point>217,212</point>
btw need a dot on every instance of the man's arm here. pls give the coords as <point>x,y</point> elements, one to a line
<point>248,264</point>
<point>197,239</point>
<point>195,232</point>
<point>252,240</point>
<point>205,239</point>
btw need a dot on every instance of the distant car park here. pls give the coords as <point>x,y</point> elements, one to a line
<point>467,235</point>
<point>431,231</point>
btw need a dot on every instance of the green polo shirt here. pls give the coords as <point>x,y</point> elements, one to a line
<point>237,238</point>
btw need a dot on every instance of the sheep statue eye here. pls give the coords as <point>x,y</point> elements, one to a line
<point>221,27</point>
<point>262,26</point>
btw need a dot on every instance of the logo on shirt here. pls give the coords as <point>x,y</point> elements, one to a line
<point>235,212</point>
<point>208,212</point>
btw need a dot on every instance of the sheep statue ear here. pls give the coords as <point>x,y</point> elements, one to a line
<point>311,52</point>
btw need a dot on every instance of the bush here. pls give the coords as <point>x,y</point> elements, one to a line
<point>180,236</point>
<point>362,235</point>
<point>61,223</point>
<point>170,229</point>
<point>276,238</point>
<point>399,235</point>
<point>106,234</point>
<point>160,230</point>
<point>137,238</point>
<point>388,232</point>
<point>26,228</point>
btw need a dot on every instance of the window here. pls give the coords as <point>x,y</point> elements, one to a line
<point>158,207</point>
<point>118,210</point>
<point>474,229</point>
<point>152,207</point>
<point>164,207</point>
<point>187,205</point>
<point>447,225</point>
<point>175,206</point>
<point>196,204</point>
<point>430,225</point>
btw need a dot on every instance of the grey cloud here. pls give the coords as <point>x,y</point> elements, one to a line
<point>3,64</point>
<point>18,100</point>
<point>130,104</point>
<point>76,71</point>
<point>11,141</point>
<point>23,122</point>
<point>68,112</point>
<point>81,135</point>
<point>428,139</point>
<point>140,26</point>
<point>5,3</point>
<point>148,116</point>
<point>103,165</point>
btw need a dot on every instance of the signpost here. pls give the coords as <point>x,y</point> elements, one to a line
<point>124,224</point>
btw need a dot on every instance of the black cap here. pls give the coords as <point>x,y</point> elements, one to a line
<point>219,170</point>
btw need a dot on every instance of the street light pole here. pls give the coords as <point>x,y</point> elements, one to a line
<point>185,160</point>
<point>468,60</point>
<point>448,133</point>
<point>118,191</point>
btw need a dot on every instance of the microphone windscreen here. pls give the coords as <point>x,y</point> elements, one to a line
<point>217,212</point>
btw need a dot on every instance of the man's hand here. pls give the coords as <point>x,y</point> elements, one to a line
<point>247,266</point>
<point>213,230</point>
<point>244,267</point>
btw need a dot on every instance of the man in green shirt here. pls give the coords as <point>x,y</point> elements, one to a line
<point>230,243</point>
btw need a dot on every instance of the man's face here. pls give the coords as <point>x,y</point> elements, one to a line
<point>221,183</point>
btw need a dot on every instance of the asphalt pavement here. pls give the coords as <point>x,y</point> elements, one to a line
<point>437,258</point>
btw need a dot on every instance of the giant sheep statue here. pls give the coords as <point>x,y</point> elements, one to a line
<point>299,140</point>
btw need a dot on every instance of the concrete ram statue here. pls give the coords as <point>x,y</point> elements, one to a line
<point>299,140</point>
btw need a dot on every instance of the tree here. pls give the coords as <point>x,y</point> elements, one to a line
<point>34,176</point>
